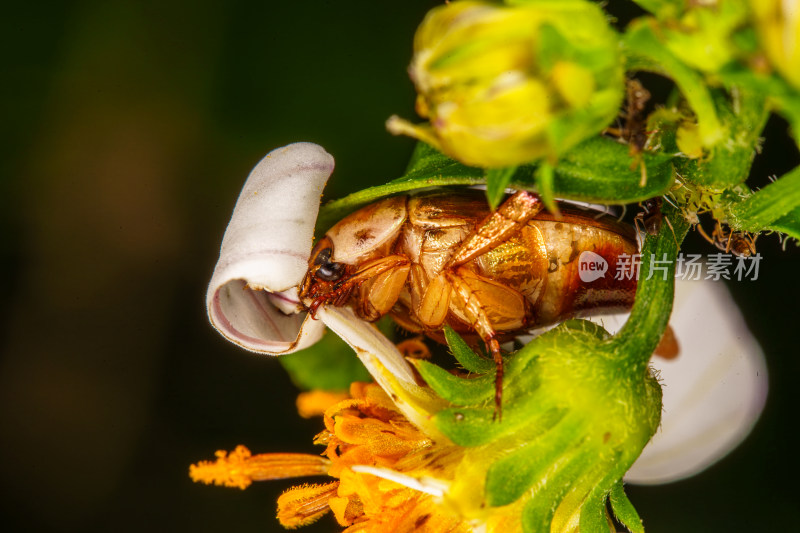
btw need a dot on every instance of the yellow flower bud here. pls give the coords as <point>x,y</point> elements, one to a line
<point>778,25</point>
<point>689,141</point>
<point>506,85</point>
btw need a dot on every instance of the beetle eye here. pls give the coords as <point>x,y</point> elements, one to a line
<point>323,257</point>
<point>330,271</point>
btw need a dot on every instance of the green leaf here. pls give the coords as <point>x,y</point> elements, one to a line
<point>788,224</point>
<point>545,177</point>
<point>601,170</point>
<point>426,156</point>
<point>597,170</point>
<point>624,510</point>
<point>330,364</point>
<point>429,168</point>
<point>768,205</point>
<point>497,179</point>
<point>788,105</point>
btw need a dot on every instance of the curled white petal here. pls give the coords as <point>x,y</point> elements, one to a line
<point>714,391</point>
<point>252,297</point>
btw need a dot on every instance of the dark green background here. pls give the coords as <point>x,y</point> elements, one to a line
<point>128,129</point>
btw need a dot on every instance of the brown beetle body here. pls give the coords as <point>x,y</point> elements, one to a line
<point>444,258</point>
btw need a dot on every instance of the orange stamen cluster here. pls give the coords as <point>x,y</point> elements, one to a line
<point>365,429</point>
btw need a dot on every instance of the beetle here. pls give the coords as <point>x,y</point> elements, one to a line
<point>444,258</point>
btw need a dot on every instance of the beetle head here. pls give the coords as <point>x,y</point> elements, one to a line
<point>366,234</point>
<point>325,279</point>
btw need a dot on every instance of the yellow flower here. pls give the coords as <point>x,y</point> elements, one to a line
<point>778,25</point>
<point>362,432</point>
<point>506,85</point>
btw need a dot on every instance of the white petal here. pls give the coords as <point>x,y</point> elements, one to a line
<point>386,365</point>
<point>434,487</point>
<point>714,391</point>
<point>252,298</point>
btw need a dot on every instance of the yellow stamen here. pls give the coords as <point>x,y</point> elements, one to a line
<point>315,403</point>
<point>300,506</point>
<point>240,468</point>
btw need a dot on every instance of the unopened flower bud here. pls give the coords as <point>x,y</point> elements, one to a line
<point>703,36</point>
<point>778,25</point>
<point>506,85</point>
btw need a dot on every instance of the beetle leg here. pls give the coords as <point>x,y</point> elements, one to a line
<point>383,290</point>
<point>512,215</point>
<point>494,347</point>
<point>488,307</point>
<point>370,270</point>
<point>435,302</point>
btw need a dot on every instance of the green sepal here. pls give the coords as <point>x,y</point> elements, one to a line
<point>585,327</point>
<point>728,164</point>
<point>593,514</point>
<point>453,388</point>
<point>644,51</point>
<point>497,179</point>
<point>781,96</point>
<point>466,357</point>
<point>327,365</point>
<point>653,305</point>
<point>513,474</point>
<point>537,514</point>
<point>624,510</point>
<point>578,407</point>
<point>468,426</point>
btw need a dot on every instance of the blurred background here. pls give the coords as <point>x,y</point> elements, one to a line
<point>129,128</point>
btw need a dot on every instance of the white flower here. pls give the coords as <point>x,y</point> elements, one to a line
<point>714,390</point>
